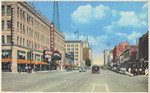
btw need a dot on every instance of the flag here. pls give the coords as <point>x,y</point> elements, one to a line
<point>83,35</point>
<point>76,32</point>
<point>108,43</point>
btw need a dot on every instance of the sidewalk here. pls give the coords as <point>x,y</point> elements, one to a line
<point>130,74</point>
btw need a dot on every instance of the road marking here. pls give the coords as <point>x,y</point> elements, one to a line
<point>106,88</point>
<point>68,84</point>
<point>86,82</point>
<point>93,86</point>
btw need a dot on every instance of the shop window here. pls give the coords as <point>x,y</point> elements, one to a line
<point>21,55</point>
<point>3,10</point>
<point>28,56</point>
<point>37,57</point>
<point>9,39</point>
<point>6,54</point>
<point>8,24</point>
<point>3,25</point>
<point>3,40</point>
<point>9,10</point>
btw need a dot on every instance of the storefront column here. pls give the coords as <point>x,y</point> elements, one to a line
<point>26,55</point>
<point>14,59</point>
<point>40,66</point>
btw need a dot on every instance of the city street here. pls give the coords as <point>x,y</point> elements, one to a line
<point>73,81</point>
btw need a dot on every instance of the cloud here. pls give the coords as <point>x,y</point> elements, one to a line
<point>128,19</point>
<point>70,36</point>
<point>114,12</point>
<point>132,37</point>
<point>92,40</point>
<point>145,5</point>
<point>121,34</point>
<point>99,11</point>
<point>84,14</point>
<point>143,16</point>
<point>143,23</point>
<point>102,38</point>
<point>108,28</point>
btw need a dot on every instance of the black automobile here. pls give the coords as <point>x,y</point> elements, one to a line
<point>95,69</point>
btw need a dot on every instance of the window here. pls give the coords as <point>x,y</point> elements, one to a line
<point>23,42</point>
<point>76,48</point>
<point>68,49</point>
<point>18,11</point>
<point>68,45</point>
<point>27,31</point>
<point>17,40</point>
<point>76,55</point>
<point>3,40</point>
<point>21,13</point>
<point>28,17</point>
<point>27,43</point>
<point>76,52</point>
<point>18,26</point>
<point>72,48</point>
<point>32,21</point>
<point>23,29</point>
<point>24,15</point>
<point>121,49</point>
<point>76,45</point>
<point>8,9</point>
<point>20,41</point>
<point>9,39</point>
<point>3,10</point>
<point>8,24</point>
<point>72,45</point>
<point>3,25</point>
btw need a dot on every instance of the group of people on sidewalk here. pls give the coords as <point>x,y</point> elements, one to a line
<point>138,71</point>
<point>27,69</point>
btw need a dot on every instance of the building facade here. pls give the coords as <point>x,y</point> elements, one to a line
<point>118,50</point>
<point>143,51</point>
<point>106,56</point>
<point>85,50</point>
<point>75,46</point>
<point>23,30</point>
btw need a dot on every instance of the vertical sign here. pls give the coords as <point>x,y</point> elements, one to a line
<point>12,26</point>
<point>52,36</point>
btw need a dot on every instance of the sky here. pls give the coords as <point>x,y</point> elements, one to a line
<point>102,21</point>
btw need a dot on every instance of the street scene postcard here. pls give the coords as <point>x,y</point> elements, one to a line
<point>74,46</point>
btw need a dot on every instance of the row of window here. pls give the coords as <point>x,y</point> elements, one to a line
<point>68,49</point>
<point>120,49</point>
<point>8,8</point>
<point>8,24</point>
<point>8,40</point>
<point>72,45</point>
<point>31,20</point>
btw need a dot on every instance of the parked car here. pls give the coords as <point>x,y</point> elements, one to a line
<point>95,69</point>
<point>82,70</point>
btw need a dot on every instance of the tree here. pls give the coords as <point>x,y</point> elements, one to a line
<point>88,62</point>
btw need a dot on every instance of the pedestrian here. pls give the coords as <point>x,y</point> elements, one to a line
<point>143,71</point>
<point>26,69</point>
<point>140,71</point>
<point>19,69</point>
<point>29,69</point>
<point>136,71</point>
<point>129,70</point>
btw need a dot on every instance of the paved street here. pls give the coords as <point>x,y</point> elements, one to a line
<point>73,81</point>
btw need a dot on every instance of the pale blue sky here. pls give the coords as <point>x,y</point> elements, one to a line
<point>103,22</point>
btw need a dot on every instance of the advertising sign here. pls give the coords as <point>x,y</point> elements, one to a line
<point>12,26</point>
<point>52,36</point>
<point>48,53</point>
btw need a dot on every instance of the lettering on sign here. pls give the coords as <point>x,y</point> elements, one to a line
<point>56,54</point>
<point>5,53</point>
<point>48,53</point>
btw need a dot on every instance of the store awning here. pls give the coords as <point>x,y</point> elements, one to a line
<point>66,64</point>
<point>59,64</point>
<point>7,60</point>
<point>23,61</point>
<point>72,65</point>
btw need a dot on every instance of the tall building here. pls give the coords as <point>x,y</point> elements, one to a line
<point>85,50</point>
<point>143,50</point>
<point>118,49</point>
<point>75,46</point>
<point>23,29</point>
<point>106,57</point>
